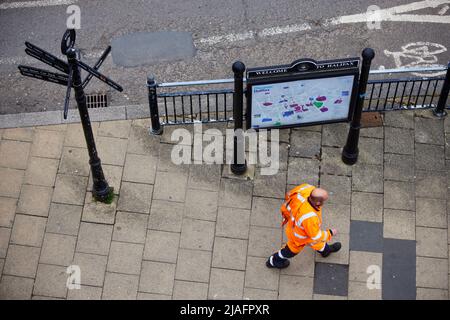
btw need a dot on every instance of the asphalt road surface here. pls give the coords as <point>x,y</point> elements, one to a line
<point>257,32</point>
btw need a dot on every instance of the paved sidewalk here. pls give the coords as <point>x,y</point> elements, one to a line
<point>195,232</point>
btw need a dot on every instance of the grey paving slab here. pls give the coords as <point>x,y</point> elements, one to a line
<point>35,200</point>
<point>14,154</point>
<point>201,205</point>
<point>140,168</point>
<point>197,234</point>
<point>399,224</point>
<point>5,234</point>
<point>130,227</point>
<point>398,167</point>
<point>135,197</point>
<point>362,265</point>
<point>402,119</point>
<point>259,294</point>
<point>168,154</point>
<point>399,270</point>
<point>295,288</point>
<point>226,284</point>
<point>98,212</point>
<point>399,141</point>
<point>265,212</point>
<point>431,212</point>
<point>21,261</point>
<point>41,171</point>
<point>125,258</point>
<point>235,194</point>
<point>93,268</point>
<point>372,132</point>
<point>11,182</point>
<point>272,186</point>
<point>229,253</point>
<point>331,279</point>
<point>7,211</point>
<point>75,136</point>
<point>70,189</point>
<point>112,150</point>
<point>431,184</point>
<point>58,249</point>
<point>335,135</point>
<point>367,178</point>
<point>47,144</point>
<point>64,219</point>
<point>85,293</point>
<point>429,157</point>
<point>258,276</point>
<point>50,281</point>
<point>186,290</point>
<point>430,242</point>
<point>74,161</point>
<point>305,144</point>
<point>399,195</point>
<point>264,241</point>
<point>367,207</point>
<point>18,134</point>
<point>360,291</point>
<point>431,294</point>
<point>280,162</point>
<point>432,273</point>
<point>193,265</point>
<point>233,223</point>
<point>429,130</point>
<point>94,238</point>
<point>140,141</point>
<point>337,216</point>
<point>205,177</point>
<point>120,286</point>
<point>338,187</point>
<point>115,129</point>
<point>157,277</point>
<point>303,171</point>
<point>28,230</point>
<point>161,246</point>
<point>370,151</point>
<point>166,216</point>
<point>366,236</point>
<point>331,162</point>
<point>164,190</point>
<point>16,288</point>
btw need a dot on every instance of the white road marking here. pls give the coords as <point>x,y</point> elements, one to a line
<point>33,4</point>
<point>443,10</point>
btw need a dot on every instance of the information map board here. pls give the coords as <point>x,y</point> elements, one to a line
<point>304,93</point>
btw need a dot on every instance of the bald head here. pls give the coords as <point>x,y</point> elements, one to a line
<point>318,197</point>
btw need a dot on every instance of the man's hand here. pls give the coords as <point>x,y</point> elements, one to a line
<point>334,231</point>
<point>285,220</point>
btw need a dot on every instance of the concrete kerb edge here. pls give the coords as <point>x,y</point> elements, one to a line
<point>32,119</point>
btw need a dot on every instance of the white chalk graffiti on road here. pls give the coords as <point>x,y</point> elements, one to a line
<point>418,54</point>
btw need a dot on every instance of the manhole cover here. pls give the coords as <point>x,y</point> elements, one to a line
<point>371,119</point>
<point>143,48</point>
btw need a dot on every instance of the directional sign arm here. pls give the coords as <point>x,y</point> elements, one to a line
<point>98,75</point>
<point>69,88</point>
<point>97,66</point>
<point>46,57</point>
<point>44,75</point>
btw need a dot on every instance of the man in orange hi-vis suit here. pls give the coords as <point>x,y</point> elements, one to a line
<point>302,215</point>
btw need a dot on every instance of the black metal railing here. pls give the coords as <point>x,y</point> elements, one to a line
<point>384,93</point>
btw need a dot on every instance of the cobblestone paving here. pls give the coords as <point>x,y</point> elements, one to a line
<point>197,232</point>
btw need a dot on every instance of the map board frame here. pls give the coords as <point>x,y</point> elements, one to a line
<point>304,69</point>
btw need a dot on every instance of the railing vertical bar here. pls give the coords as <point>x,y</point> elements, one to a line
<point>403,93</point>
<point>207,106</point>
<point>410,93</point>
<point>387,96</point>
<point>379,96</point>
<point>426,93</point>
<point>434,92</point>
<point>200,106</point>
<point>371,96</point>
<point>174,110</point>
<point>182,108</point>
<point>217,106</point>
<point>418,93</point>
<point>192,112</point>
<point>225,105</point>
<point>165,109</point>
<point>395,95</point>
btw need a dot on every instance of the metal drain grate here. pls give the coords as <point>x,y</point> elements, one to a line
<point>97,100</point>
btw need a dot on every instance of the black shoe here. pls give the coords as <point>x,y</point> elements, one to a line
<point>285,264</point>
<point>335,247</point>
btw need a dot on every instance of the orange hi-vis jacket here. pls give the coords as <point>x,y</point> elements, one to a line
<point>303,220</point>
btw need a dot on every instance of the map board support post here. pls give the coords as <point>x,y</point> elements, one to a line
<point>350,151</point>
<point>153,104</point>
<point>239,165</point>
<point>101,190</point>
<point>440,109</point>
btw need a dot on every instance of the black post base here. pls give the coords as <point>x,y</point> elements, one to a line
<point>439,113</point>
<point>102,194</point>
<point>156,132</point>
<point>349,158</point>
<point>238,169</point>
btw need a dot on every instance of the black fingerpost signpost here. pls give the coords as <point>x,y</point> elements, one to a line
<point>72,79</point>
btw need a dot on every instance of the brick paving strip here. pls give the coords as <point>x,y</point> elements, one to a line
<point>197,232</point>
